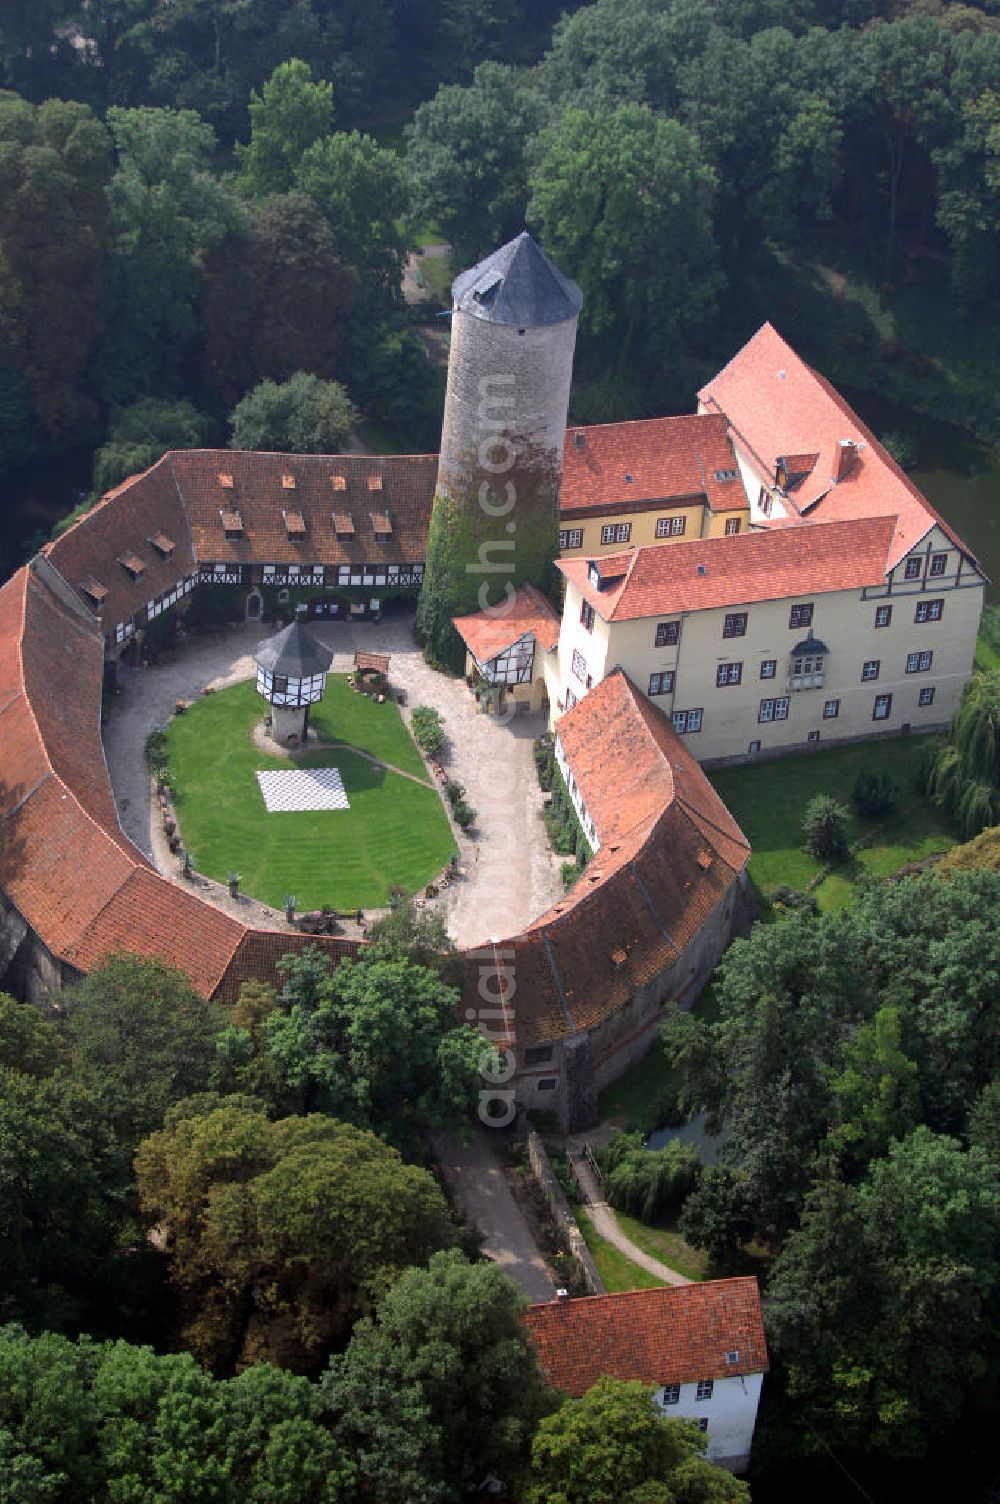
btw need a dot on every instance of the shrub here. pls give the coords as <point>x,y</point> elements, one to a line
<point>454,791</point>
<point>569,871</point>
<point>427,728</point>
<point>465,815</point>
<point>874,794</point>
<point>785,897</point>
<point>648,1183</point>
<point>545,762</point>
<point>825,825</point>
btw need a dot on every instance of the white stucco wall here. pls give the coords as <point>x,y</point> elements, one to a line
<point>731,1414</point>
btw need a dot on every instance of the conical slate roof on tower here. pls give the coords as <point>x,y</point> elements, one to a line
<point>294,653</point>
<point>517,284</point>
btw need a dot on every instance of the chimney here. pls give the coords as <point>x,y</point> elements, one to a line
<point>562,1295</point>
<point>579,439</point>
<point>844,458</point>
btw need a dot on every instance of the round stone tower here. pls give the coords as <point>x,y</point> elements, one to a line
<point>495,523</point>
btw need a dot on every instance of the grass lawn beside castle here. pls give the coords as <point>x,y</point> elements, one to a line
<point>768,799</point>
<point>395,831</point>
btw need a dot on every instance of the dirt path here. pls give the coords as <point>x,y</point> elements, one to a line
<point>606,1225</point>
<point>477,1183</point>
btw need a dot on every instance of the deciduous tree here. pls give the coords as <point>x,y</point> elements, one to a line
<point>280,1235</point>
<point>615,1446</point>
<point>303,414</point>
<point>142,1038</point>
<point>288,114</point>
<point>448,1344</point>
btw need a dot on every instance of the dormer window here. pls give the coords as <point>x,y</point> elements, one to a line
<point>225,480</point>
<point>132,564</point>
<point>594,573</point>
<point>338,482</point>
<point>164,546</point>
<point>232,522</point>
<point>343,524</point>
<point>288,482</point>
<point>374,482</point>
<point>295,524</point>
<point>96,592</point>
<point>381,526</point>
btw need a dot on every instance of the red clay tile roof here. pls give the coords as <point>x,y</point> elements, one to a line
<point>125,521</point>
<point>64,862</point>
<point>407,494</point>
<point>734,571</point>
<point>295,524</point>
<point>668,459</point>
<point>670,1335</point>
<point>646,892</point>
<point>343,522</point>
<point>487,633</point>
<point>778,406</point>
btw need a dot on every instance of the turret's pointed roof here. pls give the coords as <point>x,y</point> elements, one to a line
<point>517,284</point>
<point>293,652</point>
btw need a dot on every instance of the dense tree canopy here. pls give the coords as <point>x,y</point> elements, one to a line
<point>54,167</point>
<point>442,1388</point>
<point>142,1038</point>
<point>625,200</point>
<point>63,1182</point>
<point>615,1446</point>
<point>302,415</point>
<point>280,1234</point>
<point>138,1425</point>
<point>375,1043</point>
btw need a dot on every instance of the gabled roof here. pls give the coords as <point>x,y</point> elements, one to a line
<point>405,496</point>
<point>778,564</point>
<point>487,633</point>
<point>517,284</point>
<point>613,465</point>
<point>779,407</point>
<point>674,1334</point>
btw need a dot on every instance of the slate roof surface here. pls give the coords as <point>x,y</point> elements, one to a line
<point>779,406</point>
<point>486,633</point>
<point>517,284</point>
<point>674,1334</point>
<point>668,460</point>
<point>705,573</point>
<point>294,652</point>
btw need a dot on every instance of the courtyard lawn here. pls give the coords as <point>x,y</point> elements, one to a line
<point>395,832</point>
<point>768,799</point>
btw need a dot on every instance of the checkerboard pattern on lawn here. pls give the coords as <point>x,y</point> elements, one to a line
<point>302,788</point>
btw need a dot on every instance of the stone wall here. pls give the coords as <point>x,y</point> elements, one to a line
<point>562,1212</point>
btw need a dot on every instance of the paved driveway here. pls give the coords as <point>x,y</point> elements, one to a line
<point>509,874</point>
<point>479,1187</point>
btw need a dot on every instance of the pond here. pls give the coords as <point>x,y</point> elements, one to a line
<point>959,475</point>
<point>707,1144</point>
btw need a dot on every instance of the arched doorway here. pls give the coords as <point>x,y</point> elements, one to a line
<point>254,606</point>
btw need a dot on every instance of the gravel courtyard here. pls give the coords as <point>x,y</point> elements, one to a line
<point>509,874</point>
